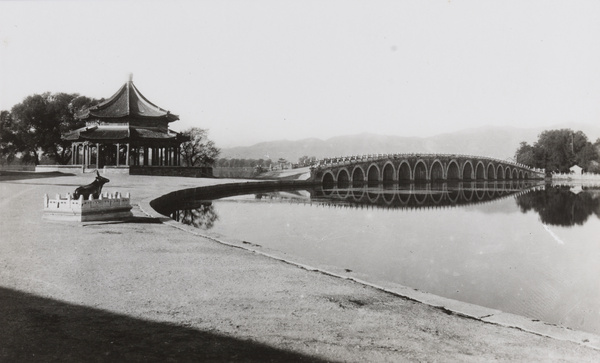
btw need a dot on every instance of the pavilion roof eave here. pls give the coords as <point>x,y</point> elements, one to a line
<point>129,134</point>
<point>127,102</point>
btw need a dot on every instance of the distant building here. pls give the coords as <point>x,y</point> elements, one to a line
<point>576,169</point>
<point>125,130</point>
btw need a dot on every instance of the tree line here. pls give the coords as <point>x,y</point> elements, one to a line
<point>559,150</point>
<point>31,131</point>
<point>263,163</point>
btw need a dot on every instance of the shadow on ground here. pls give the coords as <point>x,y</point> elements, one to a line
<point>133,220</point>
<point>42,329</point>
<point>20,175</point>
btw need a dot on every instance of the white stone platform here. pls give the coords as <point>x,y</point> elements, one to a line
<point>108,207</point>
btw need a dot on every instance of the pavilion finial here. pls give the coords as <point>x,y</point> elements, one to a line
<point>130,77</point>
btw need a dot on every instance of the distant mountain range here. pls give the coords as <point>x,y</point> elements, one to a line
<point>499,142</point>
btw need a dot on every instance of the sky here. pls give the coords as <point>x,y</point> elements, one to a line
<point>253,71</point>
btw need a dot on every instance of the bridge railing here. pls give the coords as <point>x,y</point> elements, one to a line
<point>345,160</point>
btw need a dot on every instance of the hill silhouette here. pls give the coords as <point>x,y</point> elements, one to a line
<point>498,142</point>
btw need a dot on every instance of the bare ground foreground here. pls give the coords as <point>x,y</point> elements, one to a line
<point>145,291</point>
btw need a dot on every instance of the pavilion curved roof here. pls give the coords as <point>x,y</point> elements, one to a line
<point>127,102</point>
<point>127,133</point>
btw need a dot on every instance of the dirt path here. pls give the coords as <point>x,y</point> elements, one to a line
<point>144,291</point>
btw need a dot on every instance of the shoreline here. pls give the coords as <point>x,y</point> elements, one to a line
<point>460,308</point>
<point>142,269</point>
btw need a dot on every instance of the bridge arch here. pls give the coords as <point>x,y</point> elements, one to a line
<point>491,172</point>
<point>454,194</point>
<point>343,178</point>
<point>467,171</point>
<point>500,172</point>
<point>468,193</point>
<point>373,174</point>
<point>436,198</point>
<point>420,198</point>
<point>419,168</point>
<point>420,173</point>
<point>480,171</point>
<point>343,193</point>
<point>328,180</point>
<point>389,172</point>
<point>453,171</point>
<point>404,198</point>
<point>388,198</point>
<point>480,193</point>
<point>436,172</point>
<point>373,197</point>
<point>491,189</point>
<point>404,173</point>
<point>358,176</point>
<point>358,194</point>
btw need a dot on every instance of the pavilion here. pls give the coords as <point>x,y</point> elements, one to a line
<point>125,131</point>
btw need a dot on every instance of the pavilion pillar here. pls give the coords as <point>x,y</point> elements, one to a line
<point>83,160</point>
<point>127,154</point>
<point>118,153</point>
<point>88,153</point>
<point>145,161</point>
<point>97,156</point>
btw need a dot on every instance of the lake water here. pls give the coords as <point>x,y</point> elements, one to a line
<point>527,249</point>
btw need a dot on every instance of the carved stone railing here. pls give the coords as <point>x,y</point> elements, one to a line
<point>108,206</point>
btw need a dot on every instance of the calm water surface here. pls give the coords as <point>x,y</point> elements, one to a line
<point>532,250</point>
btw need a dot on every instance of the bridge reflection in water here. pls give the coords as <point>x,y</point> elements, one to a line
<point>562,205</point>
<point>199,211</point>
<point>422,195</point>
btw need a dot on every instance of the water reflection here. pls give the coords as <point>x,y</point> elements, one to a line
<point>562,205</point>
<point>430,195</point>
<point>201,213</point>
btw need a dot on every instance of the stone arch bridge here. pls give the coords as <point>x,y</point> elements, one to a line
<point>397,168</point>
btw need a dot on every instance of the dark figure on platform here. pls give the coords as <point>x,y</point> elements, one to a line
<point>94,189</point>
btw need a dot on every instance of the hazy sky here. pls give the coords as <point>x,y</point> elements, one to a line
<point>253,71</point>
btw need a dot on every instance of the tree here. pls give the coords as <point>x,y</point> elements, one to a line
<point>558,150</point>
<point>199,151</point>
<point>34,126</point>
<point>525,154</point>
<point>306,160</point>
<point>8,141</point>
